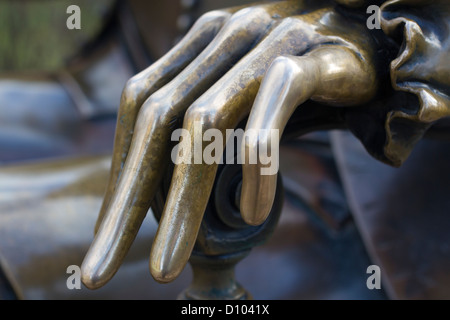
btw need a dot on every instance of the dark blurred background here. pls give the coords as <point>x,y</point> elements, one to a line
<point>34,35</point>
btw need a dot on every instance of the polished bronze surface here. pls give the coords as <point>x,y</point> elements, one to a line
<point>264,61</point>
<point>145,145</point>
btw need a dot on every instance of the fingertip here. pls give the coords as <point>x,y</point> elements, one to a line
<point>165,268</point>
<point>257,197</point>
<point>254,215</point>
<point>162,275</point>
<point>93,274</point>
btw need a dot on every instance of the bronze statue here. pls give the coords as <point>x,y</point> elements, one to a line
<point>314,63</point>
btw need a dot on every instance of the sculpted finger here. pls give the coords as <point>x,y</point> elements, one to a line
<point>141,86</point>
<point>331,74</point>
<point>149,151</point>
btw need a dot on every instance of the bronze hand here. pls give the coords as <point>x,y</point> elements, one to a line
<point>263,62</point>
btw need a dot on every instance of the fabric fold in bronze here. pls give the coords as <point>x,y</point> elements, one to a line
<point>422,68</point>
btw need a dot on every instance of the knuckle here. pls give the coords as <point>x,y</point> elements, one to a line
<point>196,112</point>
<point>201,112</point>
<point>212,16</point>
<point>291,23</point>
<point>249,15</point>
<point>154,108</point>
<point>132,88</point>
<point>286,66</point>
<point>283,61</point>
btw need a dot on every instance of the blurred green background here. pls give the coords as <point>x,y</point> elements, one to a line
<point>34,36</point>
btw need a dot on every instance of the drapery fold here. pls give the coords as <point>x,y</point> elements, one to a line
<point>390,127</point>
